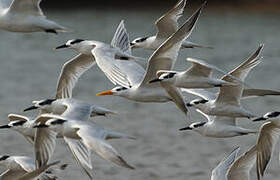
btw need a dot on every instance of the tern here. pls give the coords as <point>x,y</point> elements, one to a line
<point>93,137</point>
<point>104,55</point>
<point>197,76</point>
<point>219,127</point>
<point>267,140</point>
<point>166,26</point>
<point>26,16</point>
<point>227,103</point>
<point>232,169</point>
<point>23,168</point>
<point>24,125</point>
<point>162,59</point>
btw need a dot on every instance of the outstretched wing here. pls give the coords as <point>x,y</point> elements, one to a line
<point>26,7</point>
<point>167,24</point>
<point>121,39</point>
<point>165,56</point>
<point>70,74</point>
<point>220,172</point>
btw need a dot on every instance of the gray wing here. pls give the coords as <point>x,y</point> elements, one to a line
<point>81,153</point>
<point>36,173</point>
<point>266,142</point>
<point>176,96</point>
<point>17,117</point>
<point>124,73</point>
<point>248,93</point>
<point>11,174</point>
<point>26,7</point>
<point>77,111</point>
<point>101,147</point>
<point>202,68</point>
<point>231,121</point>
<point>167,24</point>
<point>201,93</point>
<point>242,166</point>
<point>4,4</point>
<point>165,56</point>
<point>70,74</point>
<point>220,172</point>
<point>44,145</point>
<point>121,39</point>
<point>233,94</point>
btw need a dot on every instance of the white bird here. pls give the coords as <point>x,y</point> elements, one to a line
<point>231,169</point>
<point>162,59</point>
<point>267,140</point>
<point>227,102</point>
<point>219,127</point>
<point>103,54</point>
<point>24,125</point>
<point>23,168</point>
<point>166,26</point>
<point>199,75</point>
<point>26,16</point>
<point>73,125</point>
<point>58,106</point>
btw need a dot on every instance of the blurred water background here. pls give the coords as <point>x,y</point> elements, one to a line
<point>29,70</point>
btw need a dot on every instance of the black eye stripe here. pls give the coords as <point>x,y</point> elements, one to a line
<point>76,41</point>
<point>121,89</point>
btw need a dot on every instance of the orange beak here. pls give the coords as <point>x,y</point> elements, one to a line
<point>105,93</point>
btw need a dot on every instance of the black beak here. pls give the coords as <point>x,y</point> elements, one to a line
<point>185,128</point>
<point>189,105</point>
<point>62,46</point>
<point>40,126</point>
<point>30,108</point>
<point>154,80</point>
<point>259,119</point>
<point>5,127</point>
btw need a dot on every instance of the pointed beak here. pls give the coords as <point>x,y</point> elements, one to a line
<point>185,128</point>
<point>154,80</point>
<point>105,93</point>
<point>189,105</point>
<point>5,127</point>
<point>30,108</point>
<point>259,119</point>
<point>61,47</point>
<point>40,126</point>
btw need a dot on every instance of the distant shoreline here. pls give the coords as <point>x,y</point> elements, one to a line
<point>260,6</point>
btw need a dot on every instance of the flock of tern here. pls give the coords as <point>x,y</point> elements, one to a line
<point>65,117</point>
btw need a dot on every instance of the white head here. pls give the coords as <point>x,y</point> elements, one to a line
<point>140,42</point>
<point>80,45</point>
<point>164,77</point>
<point>45,104</point>
<point>197,103</point>
<point>197,126</point>
<point>116,91</point>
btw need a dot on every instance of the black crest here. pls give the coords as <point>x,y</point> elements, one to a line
<point>58,121</point>
<point>76,41</point>
<point>46,102</point>
<point>199,124</point>
<point>141,39</point>
<point>273,114</point>
<point>18,123</point>
<point>4,157</point>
